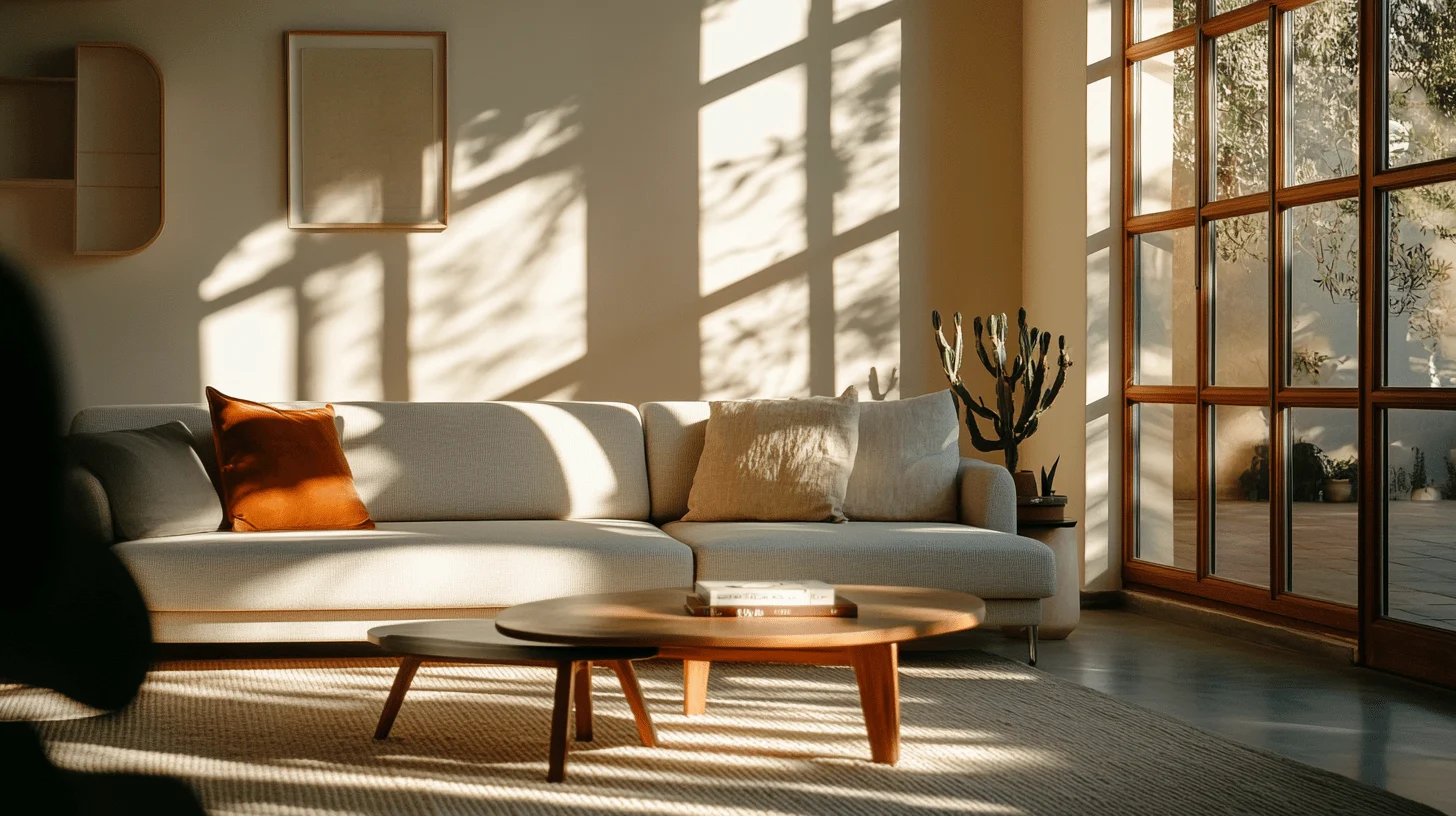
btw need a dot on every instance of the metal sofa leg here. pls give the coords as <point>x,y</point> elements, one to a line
<point>1031,645</point>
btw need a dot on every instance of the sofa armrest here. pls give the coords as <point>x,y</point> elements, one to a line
<point>988,496</point>
<point>87,509</point>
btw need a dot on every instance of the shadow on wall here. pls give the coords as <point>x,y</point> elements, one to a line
<point>715,217</point>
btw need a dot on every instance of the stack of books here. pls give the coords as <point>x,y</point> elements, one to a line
<point>768,599</point>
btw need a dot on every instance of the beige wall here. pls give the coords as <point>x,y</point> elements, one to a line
<point>974,193</point>
<point>650,200</point>
<point>1071,209</point>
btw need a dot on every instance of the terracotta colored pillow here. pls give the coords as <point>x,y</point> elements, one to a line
<point>282,469</point>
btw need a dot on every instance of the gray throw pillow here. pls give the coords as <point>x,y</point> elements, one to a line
<point>905,468</point>
<point>154,480</point>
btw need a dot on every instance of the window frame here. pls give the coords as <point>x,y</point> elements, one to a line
<point>1384,642</point>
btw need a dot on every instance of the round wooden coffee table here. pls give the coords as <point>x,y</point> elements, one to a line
<point>655,617</point>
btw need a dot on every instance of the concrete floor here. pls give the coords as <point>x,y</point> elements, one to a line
<point>1367,725</point>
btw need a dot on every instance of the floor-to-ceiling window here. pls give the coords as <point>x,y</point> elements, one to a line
<point>1290,244</point>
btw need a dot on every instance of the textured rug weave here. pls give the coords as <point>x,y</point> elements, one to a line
<point>980,735</point>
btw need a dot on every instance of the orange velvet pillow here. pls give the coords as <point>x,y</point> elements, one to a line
<point>283,469</point>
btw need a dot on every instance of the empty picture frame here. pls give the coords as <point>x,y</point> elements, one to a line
<point>366,144</point>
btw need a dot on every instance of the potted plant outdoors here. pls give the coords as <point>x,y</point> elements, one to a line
<point>1307,471</point>
<point>1343,480</point>
<point>1420,487</point>
<point>1398,484</point>
<point>1025,372</point>
<point>1254,481</point>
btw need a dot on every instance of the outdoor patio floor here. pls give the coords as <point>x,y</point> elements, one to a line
<point>1421,553</point>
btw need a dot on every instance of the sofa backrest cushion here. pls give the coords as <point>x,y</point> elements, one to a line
<point>420,461</point>
<point>675,433</point>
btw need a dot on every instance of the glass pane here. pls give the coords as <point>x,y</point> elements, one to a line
<point>1324,107</point>
<point>1164,129</point>
<point>1167,316</point>
<point>1221,6</point>
<point>1156,17</point>
<point>1241,301</point>
<point>1324,292</point>
<point>1166,484</point>
<point>1241,112</point>
<point>1420,545</point>
<point>1420,338</point>
<point>1421,72</point>
<point>1240,547</point>
<point>1324,478</point>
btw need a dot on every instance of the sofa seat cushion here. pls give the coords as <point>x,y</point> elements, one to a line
<point>893,553</point>
<point>402,565</point>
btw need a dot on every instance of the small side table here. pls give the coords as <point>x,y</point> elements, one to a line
<point>1059,613</point>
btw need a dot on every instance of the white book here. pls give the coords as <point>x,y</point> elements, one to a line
<point>780,593</point>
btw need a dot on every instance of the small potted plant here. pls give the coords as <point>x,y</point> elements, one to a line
<point>1046,505</point>
<point>1420,487</point>
<point>1343,477</point>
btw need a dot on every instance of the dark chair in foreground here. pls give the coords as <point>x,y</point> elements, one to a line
<point>77,622</point>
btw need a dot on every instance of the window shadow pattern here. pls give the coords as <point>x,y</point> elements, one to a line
<point>622,226</point>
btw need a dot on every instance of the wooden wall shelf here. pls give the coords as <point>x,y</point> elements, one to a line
<point>38,80</point>
<point>37,182</point>
<point>100,133</point>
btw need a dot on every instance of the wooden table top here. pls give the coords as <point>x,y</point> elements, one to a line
<point>478,639</point>
<point>655,617</point>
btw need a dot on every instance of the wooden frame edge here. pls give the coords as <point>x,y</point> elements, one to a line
<point>443,72</point>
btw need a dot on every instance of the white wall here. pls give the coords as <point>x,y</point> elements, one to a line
<point>650,200</point>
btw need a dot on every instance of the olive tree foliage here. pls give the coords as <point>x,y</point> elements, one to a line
<point>1323,138</point>
<point>1422,127</point>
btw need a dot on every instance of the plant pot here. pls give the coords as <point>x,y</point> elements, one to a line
<point>1339,490</point>
<point>1025,483</point>
<point>1426,494</point>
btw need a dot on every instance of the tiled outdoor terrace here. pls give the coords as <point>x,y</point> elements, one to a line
<point>1421,552</point>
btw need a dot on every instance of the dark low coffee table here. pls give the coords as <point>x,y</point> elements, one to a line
<point>476,640</point>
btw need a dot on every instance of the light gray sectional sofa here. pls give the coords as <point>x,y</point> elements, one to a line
<point>483,505</point>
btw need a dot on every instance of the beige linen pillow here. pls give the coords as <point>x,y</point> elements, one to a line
<point>776,460</point>
<point>905,469</point>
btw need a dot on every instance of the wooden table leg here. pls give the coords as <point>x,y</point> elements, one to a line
<point>627,676</point>
<point>407,668</point>
<point>560,714</point>
<point>695,686</point>
<point>583,701</point>
<point>876,670</point>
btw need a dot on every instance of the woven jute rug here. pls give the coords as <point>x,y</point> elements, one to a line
<point>980,735</point>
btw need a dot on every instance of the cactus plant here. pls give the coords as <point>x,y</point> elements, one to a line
<point>1028,369</point>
